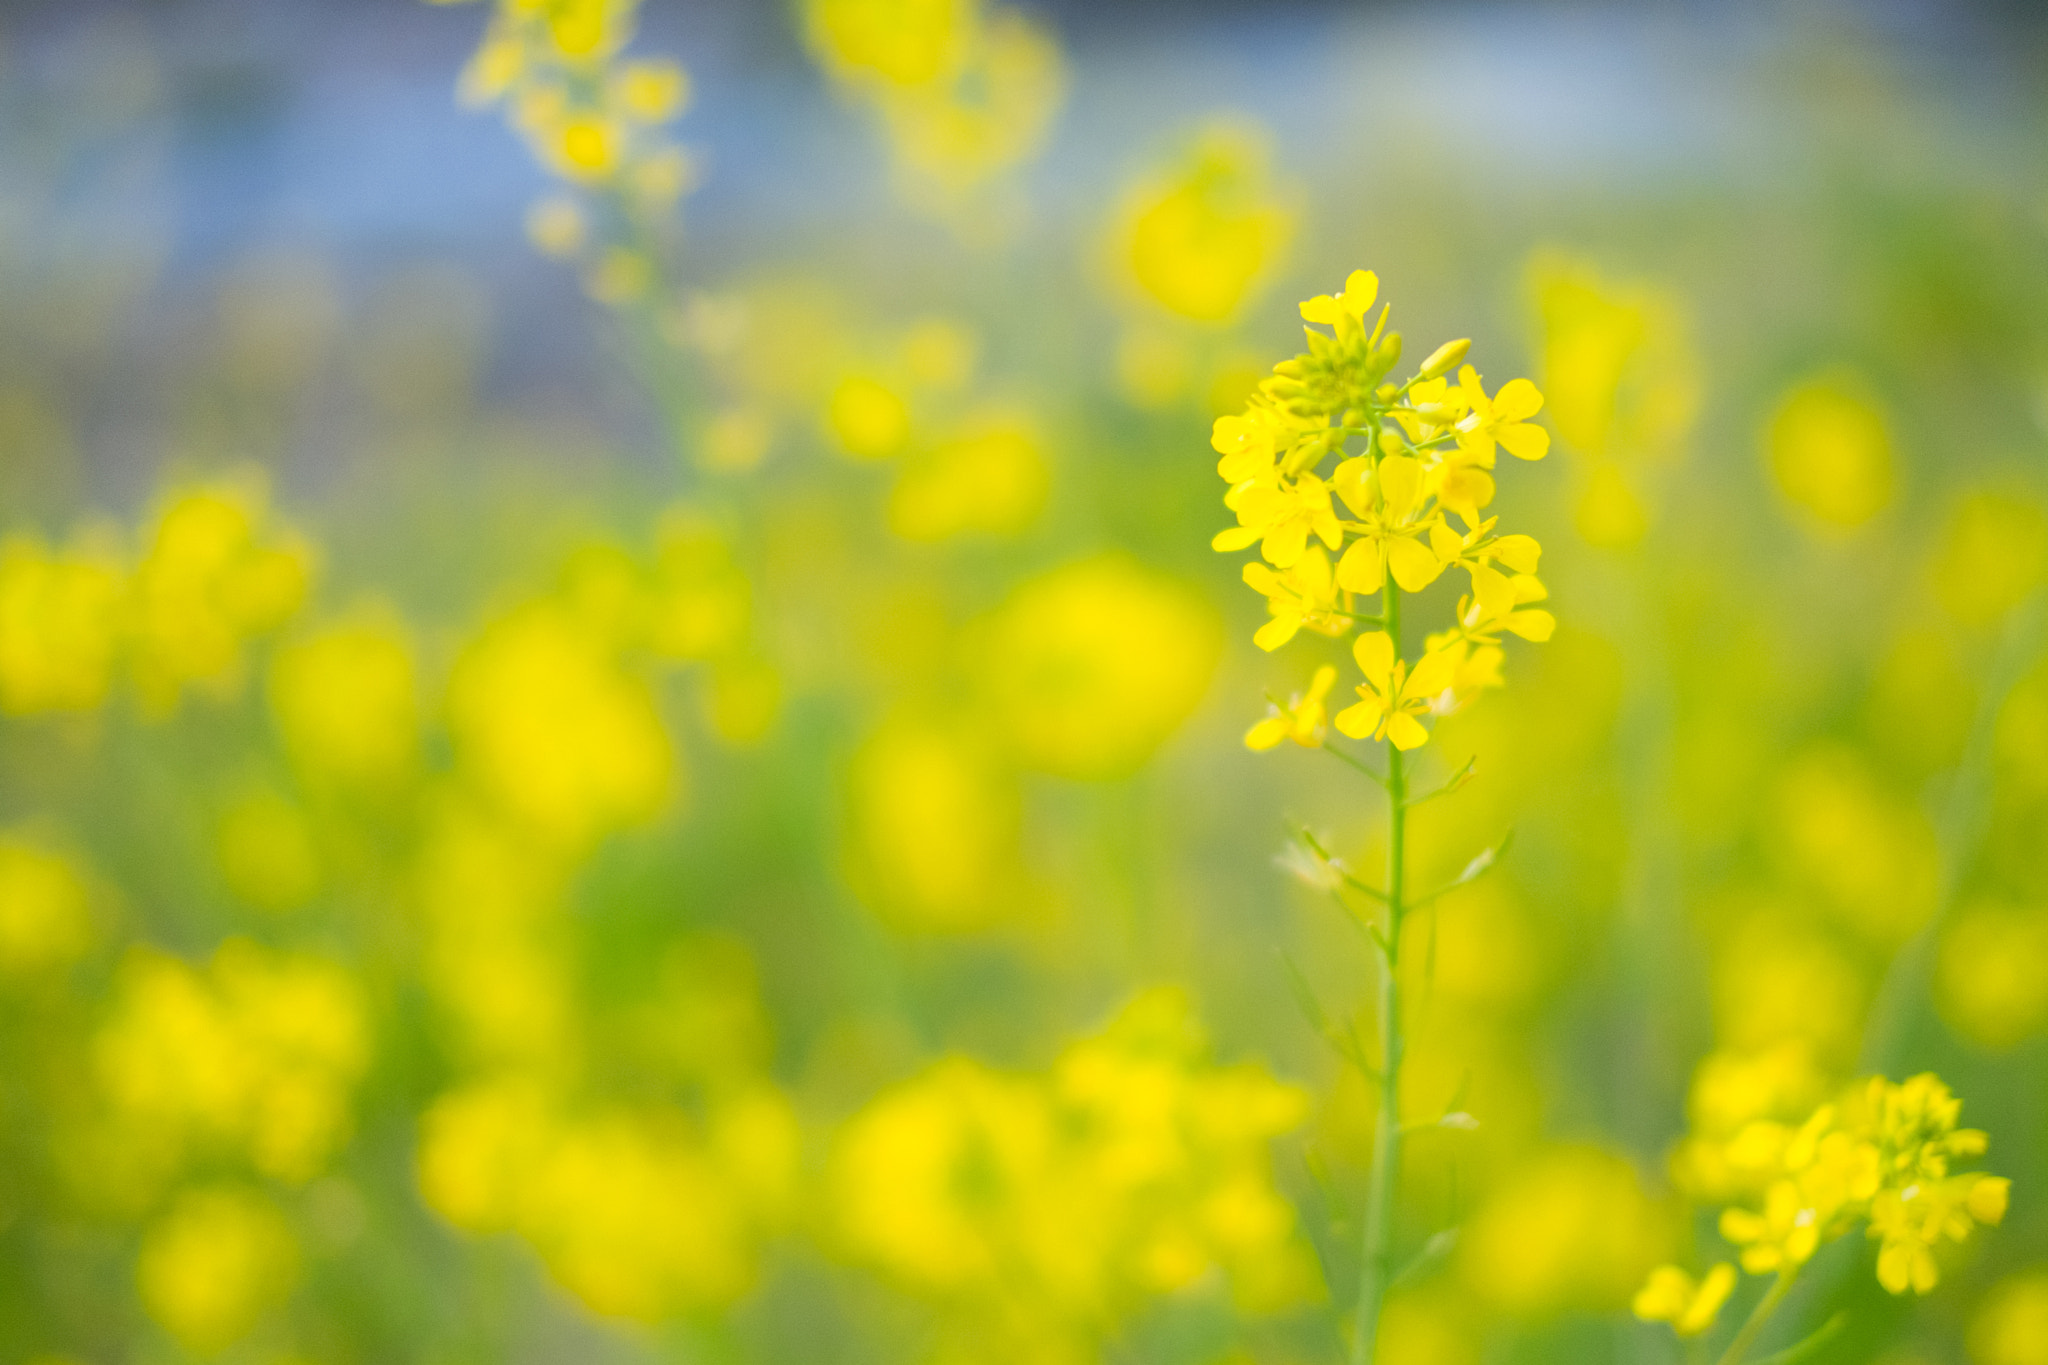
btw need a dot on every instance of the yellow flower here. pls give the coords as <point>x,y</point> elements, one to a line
<point>1690,1307</point>
<point>1783,1236</point>
<point>1392,695</point>
<point>870,420</point>
<point>1301,720</point>
<point>1830,449</point>
<point>1434,407</point>
<point>1361,290</point>
<point>1475,552</point>
<point>214,1264</point>
<point>557,227</point>
<point>1503,419</point>
<point>651,91</point>
<point>1390,501</point>
<point>59,625</point>
<point>588,148</point>
<point>1305,595</point>
<point>1251,441</point>
<point>1090,667</point>
<point>1911,1222</point>
<point>2010,1325</point>
<point>45,908</point>
<point>1200,241</point>
<point>1281,516</point>
<point>1481,624</point>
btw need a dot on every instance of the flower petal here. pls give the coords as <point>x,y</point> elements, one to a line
<point>1517,401</point>
<point>1405,731</point>
<point>1236,538</point>
<point>1362,569</point>
<point>1266,734</point>
<point>1520,553</point>
<point>1525,440</point>
<point>1374,651</point>
<point>1433,673</point>
<point>1413,565</point>
<point>1400,479</point>
<point>1277,631</point>
<point>1285,543</point>
<point>1362,719</point>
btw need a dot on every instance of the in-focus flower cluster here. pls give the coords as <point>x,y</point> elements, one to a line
<point>596,120</point>
<point>1391,518</point>
<point>1880,1156</point>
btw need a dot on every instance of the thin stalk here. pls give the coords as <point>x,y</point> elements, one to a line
<point>1376,1261</point>
<point>1758,1317</point>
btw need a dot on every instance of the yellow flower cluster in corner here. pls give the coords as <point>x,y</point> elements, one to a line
<point>966,90</point>
<point>596,120</point>
<point>1880,1156</point>
<point>1040,1208</point>
<point>1416,494</point>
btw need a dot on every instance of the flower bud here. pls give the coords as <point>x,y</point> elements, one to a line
<point>1445,357</point>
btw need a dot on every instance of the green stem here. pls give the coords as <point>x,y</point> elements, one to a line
<point>1759,1316</point>
<point>1376,1263</point>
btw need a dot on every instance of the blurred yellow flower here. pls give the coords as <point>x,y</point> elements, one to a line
<point>490,899</point>
<point>641,1214</point>
<point>935,825</point>
<point>1991,977</point>
<point>267,852</point>
<point>1302,720</point>
<point>477,1147</point>
<point>1619,369</point>
<point>61,617</point>
<point>216,570</point>
<point>650,91</point>
<point>870,420</point>
<point>1130,1170</point>
<point>1830,450</point>
<point>900,42</point>
<point>1675,1297</point>
<point>965,90</point>
<point>1869,853</point>
<point>1571,1228</point>
<point>46,919</point>
<point>345,696</point>
<point>1090,667</point>
<point>1202,239</point>
<point>549,723</point>
<point>217,1260</point>
<point>557,226</point>
<point>1992,556</point>
<point>993,480</point>
<point>2010,1324</point>
<point>259,1054</point>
